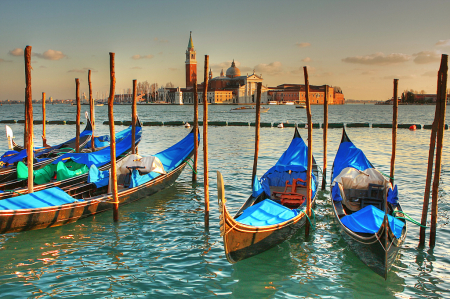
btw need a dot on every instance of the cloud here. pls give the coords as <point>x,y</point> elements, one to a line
<point>321,75</point>
<point>3,60</point>
<point>227,64</point>
<point>426,57</point>
<point>16,52</point>
<point>402,77</point>
<point>83,70</point>
<point>137,56</point>
<point>443,43</point>
<point>273,68</point>
<point>303,45</point>
<point>370,72</point>
<point>430,74</point>
<point>160,53</point>
<point>51,55</point>
<point>42,67</point>
<point>378,59</point>
<point>136,68</point>
<point>307,59</point>
<point>173,69</point>
<point>161,40</point>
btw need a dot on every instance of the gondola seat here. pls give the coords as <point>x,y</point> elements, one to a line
<point>292,198</point>
<point>375,197</point>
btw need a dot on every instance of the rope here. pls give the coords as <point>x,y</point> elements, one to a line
<point>385,174</point>
<point>411,220</point>
<point>187,162</point>
<point>14,192</point>
<point>313,214</point>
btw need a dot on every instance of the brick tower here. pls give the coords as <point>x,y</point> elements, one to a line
<point>191,63</point>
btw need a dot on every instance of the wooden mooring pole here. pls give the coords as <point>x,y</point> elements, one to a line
<point>29,117</point>
<point>194,173</point>
<point>77,140</point>
<point>205,140</point>
<point>44,137</point>
<point>325,137</point>
<point>257,130</point>
<point>25,128</point>
<point>113,172</point>
<point>133,119</point>
<point>91,111</point>
<point>426,195</point>
<point>442,102</point>
<point>394,132</point>
<point>308,173</point>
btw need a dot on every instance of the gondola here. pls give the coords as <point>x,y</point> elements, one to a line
<point>360,194</point>
<point>56,207</point>
<point>70,168</point>
<point>274,211</point>
<point>42,156</point>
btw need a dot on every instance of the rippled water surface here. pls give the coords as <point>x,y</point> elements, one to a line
<point>160,247</point>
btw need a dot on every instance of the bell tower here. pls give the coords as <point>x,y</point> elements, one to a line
<point>191,63</point>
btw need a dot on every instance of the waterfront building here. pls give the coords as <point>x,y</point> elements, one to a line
<point>296,94</point>
<point>243,88</point>
<point>191,63</point>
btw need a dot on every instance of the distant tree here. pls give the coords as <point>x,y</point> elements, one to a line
<point>170,85</point>
<point>410,97</point>
<point>422,91</point>
<point>154,91</point>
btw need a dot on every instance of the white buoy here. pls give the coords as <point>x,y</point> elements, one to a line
<point>187,125</point>
<point>280,126</point>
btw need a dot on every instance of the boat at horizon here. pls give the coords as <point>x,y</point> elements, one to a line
<point>251,109</point>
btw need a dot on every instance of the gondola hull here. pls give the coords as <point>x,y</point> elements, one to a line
<point>243,241</point>
<point>370,247</point>
<point>31,219</point>
<point>377,248</point>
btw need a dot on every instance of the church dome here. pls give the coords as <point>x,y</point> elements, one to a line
<point>233,71</point>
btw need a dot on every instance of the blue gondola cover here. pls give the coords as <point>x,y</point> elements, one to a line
<point>170,158</point>
<point>349,155</point>
<point>102,156</point>
<point>392,196</point>
<point>369,220</point>
<point>292,164</point>
<point>266,212</point>
<point>336,193</point>
<point>40,199</point>
<point>98,177</point>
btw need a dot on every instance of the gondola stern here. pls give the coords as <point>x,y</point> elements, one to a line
<point>88,124</point>
<point>345,137</point>
<point>296,133</point>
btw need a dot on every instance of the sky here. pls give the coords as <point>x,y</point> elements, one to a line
<point>358,45</point>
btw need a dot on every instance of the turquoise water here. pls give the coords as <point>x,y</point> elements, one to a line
<point>160,247</point>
